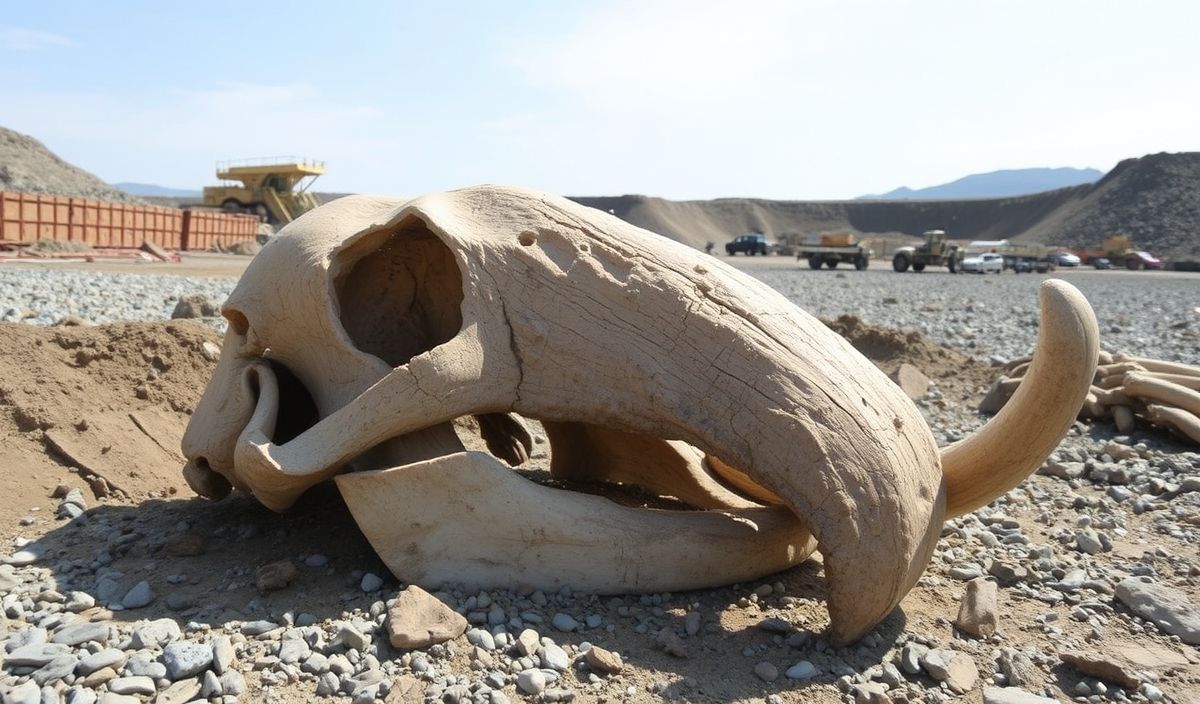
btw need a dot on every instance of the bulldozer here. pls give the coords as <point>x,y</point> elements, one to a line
<point>935,251</point>
<point>274,188</point>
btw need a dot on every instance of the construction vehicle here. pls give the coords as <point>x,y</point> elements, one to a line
<point>273,188</point>
<point>831,250</point>
<point>935,251</point>
<point>1120,249</point>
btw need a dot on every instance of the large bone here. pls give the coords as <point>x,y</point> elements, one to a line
<point>466,519</point>
<point>573,316</point>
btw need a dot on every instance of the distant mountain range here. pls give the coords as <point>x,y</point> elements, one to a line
<point>996,184</point>
<point>149,189</point>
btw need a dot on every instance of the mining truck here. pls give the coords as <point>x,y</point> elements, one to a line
<point>831,250</point>
<point>273,188</point>
<point>935,251</point>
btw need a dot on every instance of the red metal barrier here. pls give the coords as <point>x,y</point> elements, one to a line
<point>26,218</point>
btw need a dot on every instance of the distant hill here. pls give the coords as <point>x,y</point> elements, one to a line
<point>1154,199</point>
<point>27,166</point>
<point>996,184</point>
<point>150,189</point>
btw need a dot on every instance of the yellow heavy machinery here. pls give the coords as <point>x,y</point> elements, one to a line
<point>273,188</point>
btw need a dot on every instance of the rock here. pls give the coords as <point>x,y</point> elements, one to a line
<point>210,686</point>
<point>481,638</point>
<point>766,671</point>
<point>802,670</point>
<point>78,633</point>
<point>1013,695</point>
<point>1018,668</point>
<point>99,677</point>
<point>564,622</point>
<point>110,657</point>
<point>775,625</point>
<point>554,658</point>
<point>671,643</point>
<point>55,670</point>
<point>1167,608</point>
<point>605,661</point>
<point>154,634</point>
<point>132,685</point>
<point>1006,574</point>
<point>233,683</point>
<point>27,555</point>
<point>871,693</point>
<point>79,601</point>
<point>141,664</point>
<point>911,381</point>
<point>977,611</point>
<point>528,642</point>
<point>531,681</point>
<point>956,669</point>
<point>223,654</point>
<point>327,685</point>
<point>691,623</point>
<point>257,628</point>
<point>910,657</point>
<point>274,576</point>
<point>1088,542</point>
<point>371,582</point>
<point>141,595</point>
<point>417,619</point>
<point>295,650</point>
<point>24,693</point>
<point>316,560</point>
<point>196,305</point>
<point>179,693</point>
<point>353,638</point>
<point>1104,666</point>
<point>186,659</point>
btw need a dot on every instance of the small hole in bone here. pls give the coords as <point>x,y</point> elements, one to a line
<point>526,239</point>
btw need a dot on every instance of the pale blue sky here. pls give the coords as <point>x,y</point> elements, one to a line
<point>681,99</point>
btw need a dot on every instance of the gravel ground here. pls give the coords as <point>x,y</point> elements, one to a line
<point>1081,584</point>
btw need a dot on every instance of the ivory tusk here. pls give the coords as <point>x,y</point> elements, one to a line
<point>1018,439</point>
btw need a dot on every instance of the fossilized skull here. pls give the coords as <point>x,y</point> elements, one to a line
<point>368,325</point>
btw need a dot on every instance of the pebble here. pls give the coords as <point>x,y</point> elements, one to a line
<point>110,657</point>
<point>1013,695</point>
<point>531,681</point>
<point>222,654</point>
<point>140,596</point>
<point>957,670</point>
<point>564,622</point>
<point>802,670</point>
<point>977,611</point>
<point>766,671</point>
<point>371,582</point>
<point>78,633</point>
<point>603,661</point>
<point>132,685</point>
<point>417,619</point>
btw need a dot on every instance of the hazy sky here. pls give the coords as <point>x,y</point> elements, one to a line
<point>688,99</point>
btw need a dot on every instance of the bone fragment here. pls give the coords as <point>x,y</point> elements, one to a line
<point>1159,365</point>
<point>1147,387</point>
<point>465,519</point>
<point>1123,419</point>
<point>1186,423</point>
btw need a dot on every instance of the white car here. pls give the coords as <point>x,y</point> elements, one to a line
<point>983,263</point>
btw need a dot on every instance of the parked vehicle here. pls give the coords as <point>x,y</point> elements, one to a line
<point>275,188</point>
<point>1102,263</point>
<point>984,263</point>
<point>1065,259</point>
<point>831,250</point>
<point>1143,260</point>
<point>751,244</point>
<point>934,252</point>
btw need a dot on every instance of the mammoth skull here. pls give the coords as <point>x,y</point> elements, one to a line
<point>359,334</point>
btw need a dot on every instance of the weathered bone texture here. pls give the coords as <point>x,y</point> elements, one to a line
<point>588,541</point>
<point>649,363</point>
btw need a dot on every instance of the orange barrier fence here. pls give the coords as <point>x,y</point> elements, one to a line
<point>26,218</point>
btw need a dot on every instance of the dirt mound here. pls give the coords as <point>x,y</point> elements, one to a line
<point>27,166</point>
<point>959,376</point>
<point>109,402</point>
<point>1155,199</point>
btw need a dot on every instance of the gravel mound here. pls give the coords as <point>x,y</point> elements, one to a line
<point>27,166</point>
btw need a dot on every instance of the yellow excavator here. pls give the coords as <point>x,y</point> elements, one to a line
<point>273,188</point>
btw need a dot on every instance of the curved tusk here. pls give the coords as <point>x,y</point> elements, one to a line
<point>1010,446</point>
<point>512,539</point>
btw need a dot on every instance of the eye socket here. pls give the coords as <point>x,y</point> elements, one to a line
<point>236,320</point>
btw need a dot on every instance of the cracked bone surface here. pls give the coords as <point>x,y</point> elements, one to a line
<point>368,325</point>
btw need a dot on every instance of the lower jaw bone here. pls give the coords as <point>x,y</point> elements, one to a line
<point>467,519</point>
